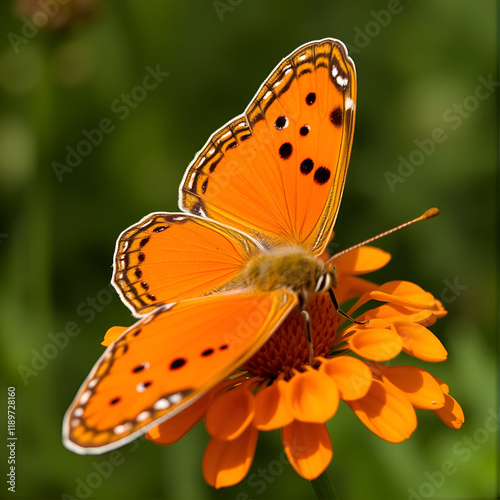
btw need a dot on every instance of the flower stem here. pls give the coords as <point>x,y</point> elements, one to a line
<point>323,487</point>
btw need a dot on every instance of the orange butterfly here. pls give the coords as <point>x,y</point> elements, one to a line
<point>213,282</point>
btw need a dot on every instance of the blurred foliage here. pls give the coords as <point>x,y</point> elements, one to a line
<point>419,67</point>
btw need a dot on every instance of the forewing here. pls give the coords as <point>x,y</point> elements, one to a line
<point>165,362</point>
<point>277,172</point>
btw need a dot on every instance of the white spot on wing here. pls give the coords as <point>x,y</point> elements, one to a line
<point>342,82</point>
<point>78,412</point>
<point>349,103</point>
<point>175,398</point>
<point>191,179</point>
<point>85,397</point>
<point>120,429</point>
<point>140,387</point>
<point>161,404</point>
<point>143,416</point>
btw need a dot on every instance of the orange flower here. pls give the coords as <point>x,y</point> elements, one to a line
<point>278,389</point>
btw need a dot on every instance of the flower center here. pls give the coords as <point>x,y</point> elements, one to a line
<point>288,348</point>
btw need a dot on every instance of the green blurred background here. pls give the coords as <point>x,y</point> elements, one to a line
<point>419,65</point>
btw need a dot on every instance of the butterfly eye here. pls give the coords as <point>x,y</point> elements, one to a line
<point>324,283</point>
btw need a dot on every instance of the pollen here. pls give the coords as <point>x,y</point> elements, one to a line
<point>288,349</point>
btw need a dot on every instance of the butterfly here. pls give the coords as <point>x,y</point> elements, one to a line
<point>212,283</point>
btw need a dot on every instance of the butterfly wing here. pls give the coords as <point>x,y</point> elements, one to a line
<point>168,257</point>
<point>277,172</point>
<point>165,362</point>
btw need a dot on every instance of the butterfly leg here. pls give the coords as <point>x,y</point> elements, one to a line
<point>342,313</point>
<point>307,319</point>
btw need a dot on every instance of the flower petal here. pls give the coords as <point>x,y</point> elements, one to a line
<point>377,344</point>
<point>363,260</point>
<point>308,448</point>
<point>404,293</point>
<point>396,313</point>
<point>386,412</point>
<point>419,386</point>
<point>112,334</point>
<point>420,342</point>
<point>272,410</point>
<point>231,413</point>
<point>451,413</point>
<point>313,396</point>
<point>352,377</point>
<point>444,387</point>
<point>226,463</point>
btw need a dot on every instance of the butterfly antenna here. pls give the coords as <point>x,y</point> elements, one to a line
<point>432,212</point>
